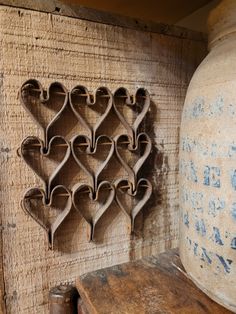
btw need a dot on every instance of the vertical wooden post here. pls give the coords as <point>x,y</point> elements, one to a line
<point>63,300</point>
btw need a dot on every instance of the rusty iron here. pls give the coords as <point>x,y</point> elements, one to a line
<point>132,101</point>
<point>91,102</point>
<point>93,196</point>
<point>52,102</point>
<point>125,187</point>
<point>35,200</point>
<point>33,152</point>
<point>90,151</point>
<point>142,143</point>
<point>32,93</point>
<point>63,300</point>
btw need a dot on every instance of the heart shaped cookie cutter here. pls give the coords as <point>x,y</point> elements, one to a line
<point>140,103</point>
<point>102,100</point>
<point>125,187</point>
<point>81,145</point>
<point>40,103</point>
<point>80,190</point>
<point>34,200</point>
<point>33,153</point>
<point>143,143</point>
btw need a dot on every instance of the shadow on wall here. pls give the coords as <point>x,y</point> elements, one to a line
<point>148,222</point>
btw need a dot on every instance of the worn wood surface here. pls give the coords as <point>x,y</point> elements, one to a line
<point>151,285</point>
<point>71,9</point>
<point>57,48</point>
<point>2,288</point>
<point>168,11</point>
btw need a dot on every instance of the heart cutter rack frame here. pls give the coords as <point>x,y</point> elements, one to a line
<point>100,136</point>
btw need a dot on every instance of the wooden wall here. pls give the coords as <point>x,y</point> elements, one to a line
<point>72,51</point>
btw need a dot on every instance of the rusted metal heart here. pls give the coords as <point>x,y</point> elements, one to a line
<point>48,214</point>
<point>44,106</point>
<point>143,147</point>
<point>81,147</point>
<point>45,163</point>
<point>125,188</point>
<point>139,104</point>
<point>81,191</point>
<point>101,102</point>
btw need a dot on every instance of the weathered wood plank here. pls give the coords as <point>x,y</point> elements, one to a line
<point>2,286</point>
<point>77,11</point>
<point>152,285</point>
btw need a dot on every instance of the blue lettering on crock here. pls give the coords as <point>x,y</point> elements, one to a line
<point>217,236</point>
<point>193,172</point>
<point>206,148</point>
<point>186,145</point>
<point>232,109</point>
<point>220,262</point>
<point>196,201</point>
<point>215,172</point>
<point>211,176</point>
<point>215,206</point>
<point>203,149</point>
<point>225,263</point>
<point>186,219</point>
<point>233,244</point>
<point>232,150</point>
<point>214,150</point>
<point>188,170</point>
<point>205,256</point>
<point>195,246</point>
<point>233,211</point>
<point>183,167</point>
<point>227,234</point>
<point>233,179</point>
<point>184,196</point>
<point>198,107</point>
<point>207,176</point>
<point>189,243</point>
<point>200,227</point>
<point>216,108</point>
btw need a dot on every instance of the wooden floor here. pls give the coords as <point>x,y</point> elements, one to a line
<point>155,285</point>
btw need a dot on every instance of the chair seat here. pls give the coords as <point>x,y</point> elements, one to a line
<point>153,285</point>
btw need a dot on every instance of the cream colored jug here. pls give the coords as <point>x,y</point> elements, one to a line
<point>208,164</point>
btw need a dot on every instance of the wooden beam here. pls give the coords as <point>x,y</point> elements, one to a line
<point>168,11</point>
<point>84,13</point>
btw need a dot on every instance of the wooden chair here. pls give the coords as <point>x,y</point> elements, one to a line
<point>153,285</point>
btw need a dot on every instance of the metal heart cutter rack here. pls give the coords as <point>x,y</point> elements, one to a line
<point>57,112</point>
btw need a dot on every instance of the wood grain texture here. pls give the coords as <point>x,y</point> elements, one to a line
<point>153,285</point>
<point>57,48</point>
<point>57,7</point>
<point>2,288</point>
